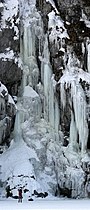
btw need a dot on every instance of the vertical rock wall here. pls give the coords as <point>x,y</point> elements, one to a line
<point>10,64</point>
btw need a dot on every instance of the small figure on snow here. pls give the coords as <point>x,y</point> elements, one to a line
<point>8,192</point>
<point>20,195</point>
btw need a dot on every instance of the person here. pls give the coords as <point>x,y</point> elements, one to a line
<point>8,192</point>
<point>20,195</point>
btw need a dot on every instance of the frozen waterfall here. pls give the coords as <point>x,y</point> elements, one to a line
<point>49,154</point>
<point>31,72</point>
<point>51,109</point>
<point>29,105</point>
<point>77,103</point>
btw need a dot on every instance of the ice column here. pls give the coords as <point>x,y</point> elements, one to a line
<point>25,46</point>
<point>47,78</point>
<point>30,68</point>
<point>18,121</point>
<point>80,116</point>
<point>88,60</point>
<point>57,116</point>
<point>29,43</point>
<point>51,109</point>
<point>73,132</point>
<point>63,94</point>
<point>25,79</point>
<point>78,126</point>
<point>51,104</point>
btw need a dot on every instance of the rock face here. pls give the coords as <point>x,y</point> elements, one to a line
<point>7,115</point>
<point>10,71</point>
<point>10,63</point>
<point>10,75</point>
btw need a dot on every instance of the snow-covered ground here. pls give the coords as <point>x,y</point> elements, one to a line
<point>49,205</point>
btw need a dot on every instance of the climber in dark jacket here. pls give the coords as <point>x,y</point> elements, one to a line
<point>20,195</point>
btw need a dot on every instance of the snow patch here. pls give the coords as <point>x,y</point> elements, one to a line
<point>10,11</point>
<point>53,5</point>
<point>3,88</point>
<point>29,92</point>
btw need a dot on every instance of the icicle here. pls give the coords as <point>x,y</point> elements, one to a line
<point>35,76</point>
<point>78,116</point>
<point>21,42</point>
<point>79,104</point>
<point>51,104</point>
<point>25,79</point>
<point>47,78</point>
<point>51,110</point>
<point>46,50</point>
<point>63,94</point>
<point>73,132</point>
<point>56,116</point>
<point>17,129</point>
<point>25,46</point>
<point>39,46</point>
<point>29,38</point>
<point>28,44</point>
<point>88,59</point>
<point>33,40</point>
<point>2,129</point>
<point>83,48</point>
<point>42,72</point>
